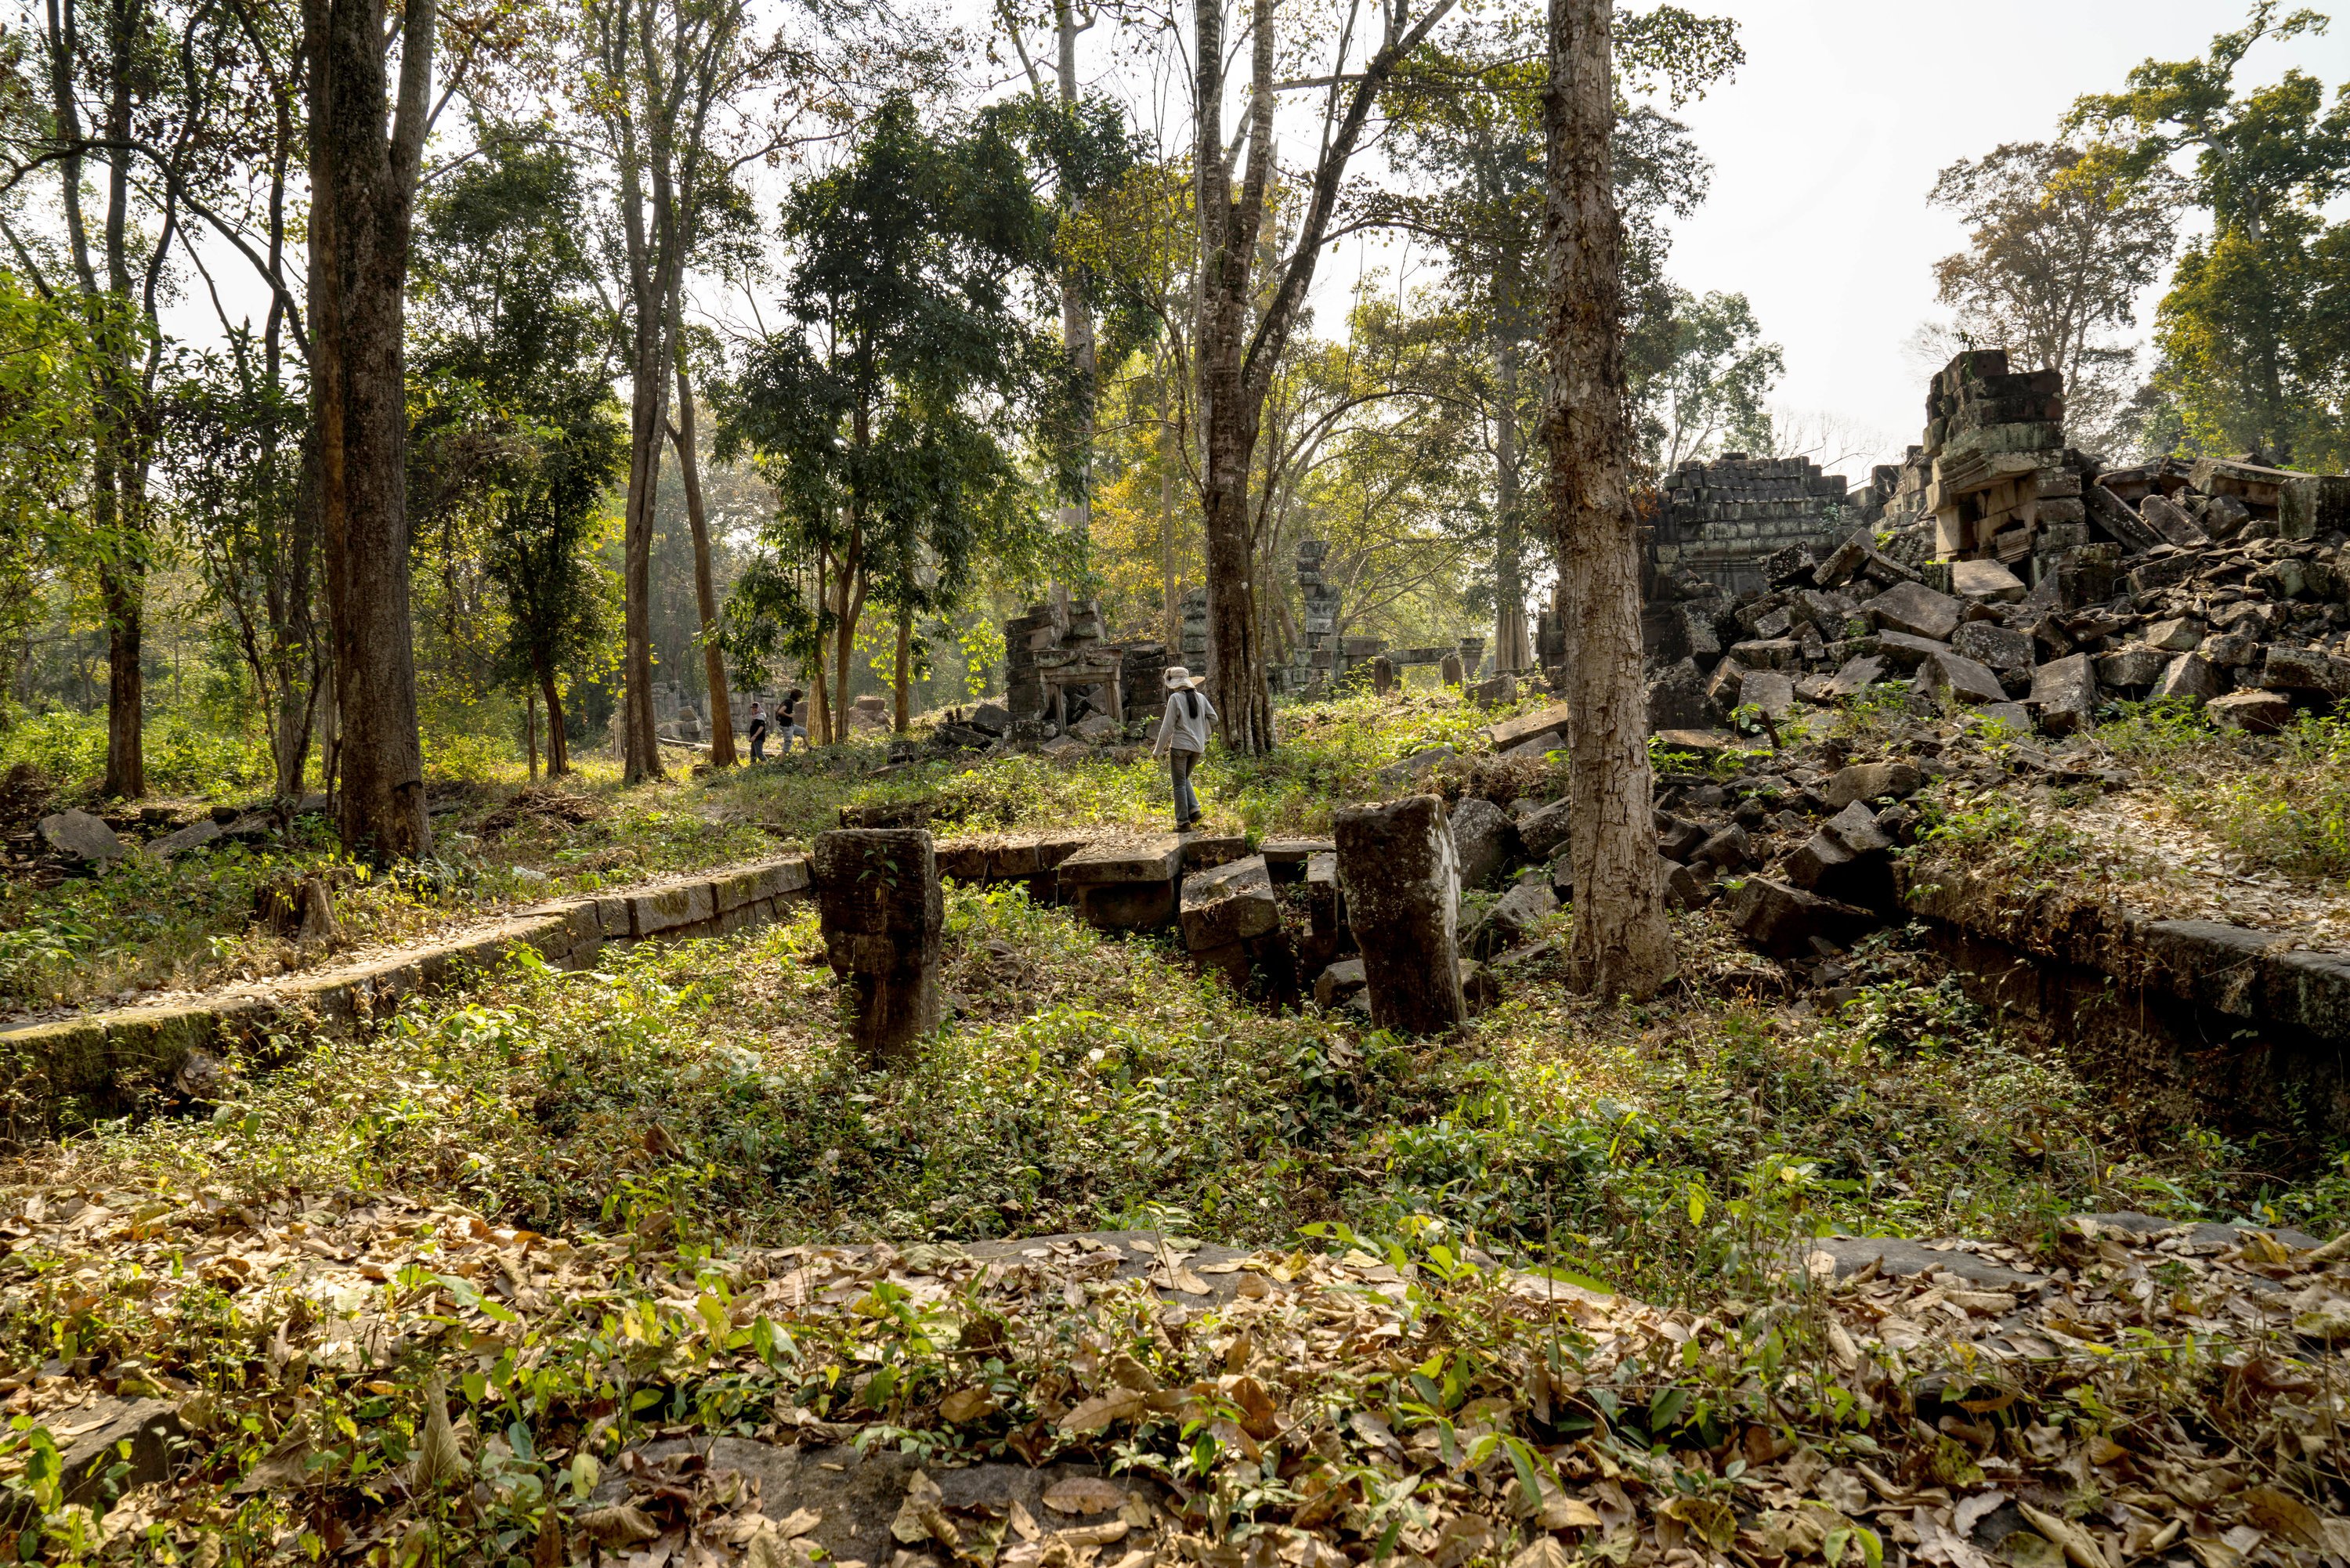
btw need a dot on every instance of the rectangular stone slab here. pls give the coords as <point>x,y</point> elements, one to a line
<point>1526,726</point>
<point>1155,858</point>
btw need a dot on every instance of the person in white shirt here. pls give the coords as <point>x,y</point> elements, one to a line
<point>1183,739</point>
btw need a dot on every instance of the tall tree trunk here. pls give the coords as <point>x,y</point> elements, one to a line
<point>122,590</point>
<point>1229,416</point>
<point>705,590</point>
<point>648,414</point>
<point>1170,613</point>
<point>1512,648</point>
<point>1622,945</point>
<point>530,731</point>
<point>1239,338</point>
<point>902,719</point>
<point>558,744</point>
<point>362,195</point>
<point>1076,316</point>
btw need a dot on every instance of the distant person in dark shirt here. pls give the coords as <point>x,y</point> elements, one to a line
<point>759,731</point>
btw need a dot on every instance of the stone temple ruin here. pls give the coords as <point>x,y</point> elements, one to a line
<point>1719,521</point>
<point>1064,670</point>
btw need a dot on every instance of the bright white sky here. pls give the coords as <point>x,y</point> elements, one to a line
<point>1825,143</point>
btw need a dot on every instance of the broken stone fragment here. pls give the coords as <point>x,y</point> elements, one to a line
<point>1285,858</point>
<point>2178,635</point>
<point>1954,677</point>
<point>1485,839</point>
<point>1228,904</point>
<point>1995,646</point>
<point>1985,580</point>
<point>1515,916</point>
<point>1904,651</point>
<point>1841,562</point>
<point>1678,838</point>
<point>1546,830</point>
<point>1855,677</point>
<point>1789,922</point>
<point>79,836</point>
<point>2015,716</point>
<point>2131,668</point>
<point>1769,653</point>
<point>1526,726</point>
<point>1684,889</point>
<point>195,835</point>
<point>1338,984</point>
<point>2231,651</point>
<point>2189,677</point>
<point>1767,690</point>
<point>1726,850</point>
<point>2304,669</point>
<point>2170,520</point>
<point>1723,686</point>
<point>1870,781</point>
<point>1916,609</point>
<point>2065,694</point>
<point>1402,878</point>
<point>2255,712</point>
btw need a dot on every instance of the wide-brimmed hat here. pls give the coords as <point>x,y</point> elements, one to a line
<point>1177,677</point>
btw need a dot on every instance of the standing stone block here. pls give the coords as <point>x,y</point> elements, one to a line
<point>878,905</point>
<point>1402,886</point>
<point>1449,669</point>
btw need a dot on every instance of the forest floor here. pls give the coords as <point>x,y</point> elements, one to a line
<point>1543,1293</point>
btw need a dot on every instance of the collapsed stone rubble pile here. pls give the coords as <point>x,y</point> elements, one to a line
<point>2020,578</point>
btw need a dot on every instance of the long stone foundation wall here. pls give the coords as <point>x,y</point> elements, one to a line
<point>2248,1020</point>
<point>90,1063</point>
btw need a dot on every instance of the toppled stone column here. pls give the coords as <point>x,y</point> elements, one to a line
<point>878,899</point>
<point>1401,879</point>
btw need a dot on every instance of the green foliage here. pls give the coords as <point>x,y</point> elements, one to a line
<point>519,438</point>
<point>2254,350</point>
<point>887,413</point>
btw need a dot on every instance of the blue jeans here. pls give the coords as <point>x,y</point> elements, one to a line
<point>1187,803</point>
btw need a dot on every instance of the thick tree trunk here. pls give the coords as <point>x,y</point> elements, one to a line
<point>1622,945</point>
<point>705,590</point>
<point>530,731</point>
<point>121,588</point>
<point>363,191</point>
<point>1240,339</point>
<point>1228,415</point>
<point>1170,613</point>
<point>558,744</point>
<point>1512,650</point>
<point>647,413</point>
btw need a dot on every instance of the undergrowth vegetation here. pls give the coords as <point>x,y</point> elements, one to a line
<point>141,925</point>
<point>1094,1084</point>
<point>2279,803</point>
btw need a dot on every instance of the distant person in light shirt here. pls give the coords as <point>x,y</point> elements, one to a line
<point>1183,739</point>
